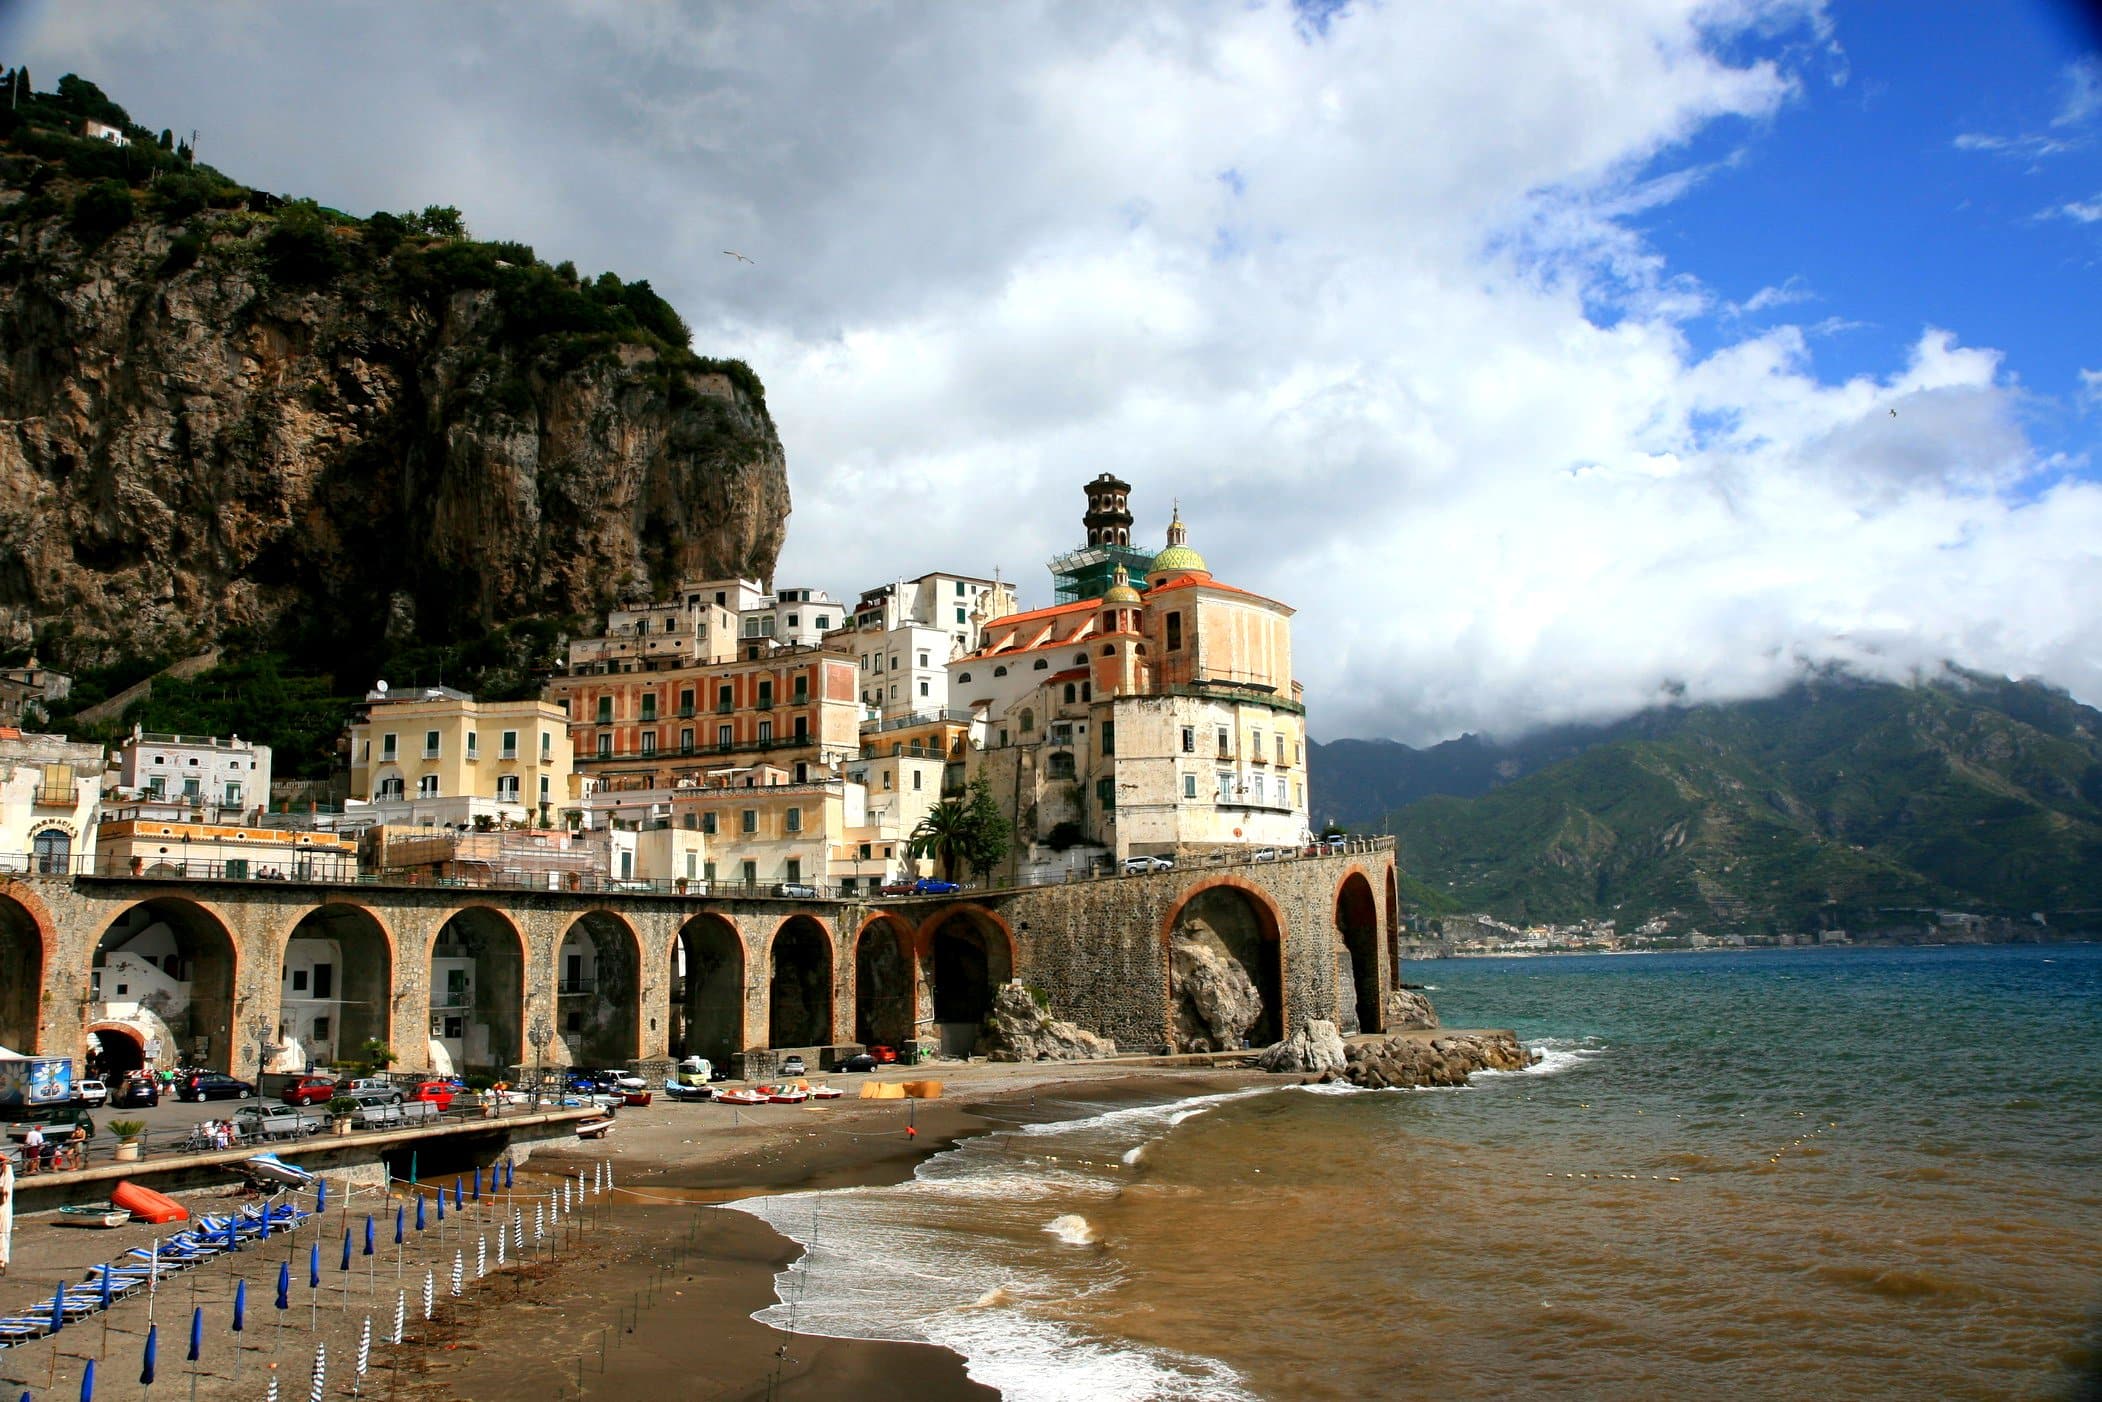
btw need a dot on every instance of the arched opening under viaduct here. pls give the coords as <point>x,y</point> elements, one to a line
<point>598,993</point>
<point>477,983</point>
<point>21,976</point>
<point>166,966</point>
<point>966,958</point>
<point>1226,971</point>
<point>707,989</point>
<point>1357,956</point>
<point>799,986</point>
<point>884,991</point>
<point>336,986</point>
<point>114,1051</point>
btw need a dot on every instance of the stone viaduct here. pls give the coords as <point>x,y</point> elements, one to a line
<point>675,974</point>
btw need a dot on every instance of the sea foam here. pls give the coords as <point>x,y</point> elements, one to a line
<point>1072,1229</point>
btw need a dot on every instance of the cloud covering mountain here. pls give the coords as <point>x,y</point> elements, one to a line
<point>1375,291</point>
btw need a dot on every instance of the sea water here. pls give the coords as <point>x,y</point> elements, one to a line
<point>1834,1172</point>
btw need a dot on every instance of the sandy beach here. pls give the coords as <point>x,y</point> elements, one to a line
<point>649,1292</point>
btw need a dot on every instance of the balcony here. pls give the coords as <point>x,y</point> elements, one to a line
<point>685,713</point>
<point>575,987</point>
<point>58,798</point>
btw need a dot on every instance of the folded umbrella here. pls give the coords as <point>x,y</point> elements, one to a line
<point>368,1234</point>
<point>314,1266</point>
<point>58,1308</point>
<point>153,1332</point>
<point>196,1333</point>
<point>346,1250</point>
<point>240,1304</point>
<point>398,1219</point>
<point>284,1285</point>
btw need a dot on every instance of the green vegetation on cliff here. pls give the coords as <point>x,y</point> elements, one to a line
<point>1828,803</point>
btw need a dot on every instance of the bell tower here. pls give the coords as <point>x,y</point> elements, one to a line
<point>1108,518</point>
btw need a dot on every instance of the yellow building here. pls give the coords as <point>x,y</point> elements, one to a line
<point>434,756</point>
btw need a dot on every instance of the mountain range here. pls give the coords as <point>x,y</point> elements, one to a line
<point>1840,803</point>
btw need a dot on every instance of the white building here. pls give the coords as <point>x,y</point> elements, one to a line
<point>792,618</point>
<point>228,780</point>
<point>49,789</point>
<point>906,632</point>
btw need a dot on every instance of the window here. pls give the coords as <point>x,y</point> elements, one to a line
<point>722,736</point>
<point>923,688</point>
<point>1282,801</point>
<point>321,1028</point>
<point>960,618</point>
<point>430,744</point>
<point>794,820</point>
<point>959,588</point>
<point>1225,787</point>
<point>766,731</point>
<point>923,659</point>
<point>1174,632</point>
<point>915,781</point>
<point>1280,747</point>
<point>1042,664</point>
<point>190,788</point>
<point>824,621</point>
<point>1109,737</point>
<point>157,785</point>
<point>543,788</point>
<point>605,747</point>
<point>391,788</point>
<point>1225,740</point>
<point>1061,732</point>
<point>649,742</point>
<point>792,620</point>
<point>1059,766</point>
<point>751,873</point>
<point>1189,739</point>
<point>795,869</point>
<point>649,705</point>
<point>686,738</point>
<point>605,710</point>
<point>708,823</point>
<point>427,786</point>
<point>509,749</point>
<point>233,795</point>
<point>893,691</point>
<point>1189,786</point>
<point>722,699</point>
<point>547,747</point>
<point>474,744</point>
<point>1028,720</point>
<point>507,788</point>
<point>748,820</point>
<point>1106,794</point>
<point>299,980</point>
<point>387,747</point>
<point>999,671</point>
<point>963,677</point>
<point>802,692</point>
<point>766,695</point>
<point>802,727</point>
<point>1255,743</point>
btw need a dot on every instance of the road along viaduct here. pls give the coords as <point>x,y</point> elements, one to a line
<point>616,977</point>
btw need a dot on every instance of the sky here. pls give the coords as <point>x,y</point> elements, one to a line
<point>1553,360</point>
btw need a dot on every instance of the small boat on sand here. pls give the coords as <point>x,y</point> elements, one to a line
<point>93,1214</point>
<point>786,1095</point>
<point>742,1095</point>
<point>825,1092</point>
<point>594,1129</point>
<point>684,1092</point>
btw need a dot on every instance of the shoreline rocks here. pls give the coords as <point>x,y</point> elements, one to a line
<point>1318,1046</point>
<point>1019,1029</point>
<point>1434,1061</point>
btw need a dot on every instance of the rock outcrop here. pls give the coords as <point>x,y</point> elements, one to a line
<point>1019,1029</point>
<point>1216,1001</point>
<point>1408,1010</point>
<point>1429,1061</point>
<point>218,420</point>
<point>1315,1047</point>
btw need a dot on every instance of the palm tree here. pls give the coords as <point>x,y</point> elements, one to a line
<point>943,834</point>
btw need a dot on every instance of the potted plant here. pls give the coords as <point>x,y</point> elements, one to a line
<point>378,1053</point>
<point>127,1132</point>
<point>341,1110</point>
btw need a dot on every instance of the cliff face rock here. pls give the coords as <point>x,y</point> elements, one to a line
<point>417,436</point>
<point>1317,1046</point>
<point>1216,1002</point>
<point>1019,1030</point>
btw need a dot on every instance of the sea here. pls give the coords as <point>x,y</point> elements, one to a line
<point>1779,1173</point>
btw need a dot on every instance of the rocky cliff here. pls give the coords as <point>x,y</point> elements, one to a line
<point>224,414</point>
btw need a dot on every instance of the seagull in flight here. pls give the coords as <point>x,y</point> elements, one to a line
<point>733,253</point>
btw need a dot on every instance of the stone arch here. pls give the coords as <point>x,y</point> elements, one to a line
<point>175,958</point>
<point>885,984</point>
<point>598,989</point>
<point>476,961</point>
<point>708,989</point>
<point>122,1051</point>
<point>25,945</point>
<point>1394,924</point>
<point>336,983</point>
<point>799,984</point>
<point>965,953</point>
<point>1357,955</point>
<point>1223,949</point>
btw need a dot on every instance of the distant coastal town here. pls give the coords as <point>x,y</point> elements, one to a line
<point>1485,936</point>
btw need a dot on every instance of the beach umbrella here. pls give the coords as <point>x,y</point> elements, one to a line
<point>364,1347</point>
<point>233,1238</point>
<point>284,1285</point>
<point>419,1214</point>
<point>264,1234</point>
<point>441,1204</point>
<point>87,1383</point>
<point>320,1371</point>
<point>401,1311</point>
<point>314,1266</point>
<point>507,1175</point>
<point>153,1333</point>
<point>105,1288</point>
<point>459,1268</point>
<point>458,1200</point>
<point>477,1193</point>
<point>500,1235</point>
<point>346,1250</point>
<point>368,1234</point>
<point>427,1287</point>
<point>240,1305</point>
<point>320,1195</point>
<point>196,1333</point>
<point>481,1257</point>
<point>271,1396</point>
<point>412,1168</point>
<point>58,1308</point>
<point>399,1217</point>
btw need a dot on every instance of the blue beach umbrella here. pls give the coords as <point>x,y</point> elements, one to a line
<point>196,1333</point>
<point>441,1204</point>
<point>314,1266</point>
<point>105,1288</point>
<point>233,1237</point>
<point>240,1304</point>
<point>368,1234</point>
<point>419,1214</point>
<point>320,1195</point>
<point>87,1383</point>
<point>399,1216</point>
<point>153,1332</point>
<point>58,1308</point>
<point>264,1234</point>
<point>284,1285</point>
<point>477,1192</point>
<point>346,1250</point>
<point>458,1200</point>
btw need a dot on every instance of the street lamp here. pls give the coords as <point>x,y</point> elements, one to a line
<point>540,1035</point>
<point>260,1026</point>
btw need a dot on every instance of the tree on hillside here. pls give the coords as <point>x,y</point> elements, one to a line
<point>969,831</point>
<point>943,835</point>
<point>990,832</point>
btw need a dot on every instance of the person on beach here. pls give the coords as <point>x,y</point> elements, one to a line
<point>33,1150</point>
<point>77,1148</point>
<point>7,1211</point>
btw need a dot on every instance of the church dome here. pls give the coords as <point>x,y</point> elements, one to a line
<point>1178,558</point>
<point>1121,593</point>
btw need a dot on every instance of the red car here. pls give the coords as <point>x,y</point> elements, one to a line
<point>308,1090</point>
<point>438,1093</point>
<point>886,1055</point>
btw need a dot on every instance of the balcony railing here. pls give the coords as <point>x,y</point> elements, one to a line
<point>570,987</point>
<point>57,798</point>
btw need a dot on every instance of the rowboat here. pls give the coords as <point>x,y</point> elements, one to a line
<point>594,1129</point>
<point>93,1214</point>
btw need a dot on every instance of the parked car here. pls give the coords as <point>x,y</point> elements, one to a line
<point>897,888</point>
<point>1335,842</point>
<point>91,1092</point>
<point>860,1061</point>
<point>143,1088</point>
<point>276,1122</point>
<point>438,1093</point>
<point>793,1065</point>
<point>213,1085</point>
<point>799,889</point>
<point>1135,865</point>
<point>308,1090</point>
<point>883,1054</point>
<point>931,886</point>
<point>371,1090</point>
<point>699,1066</point>
<point>628,1080</point>
<point>1263,854</point>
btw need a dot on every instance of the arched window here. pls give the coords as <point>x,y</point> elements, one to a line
<point>999,671</point>
<point>1060,765</point>
<point>1069,693</point>
<point>53,850</point>
<point>963,676</point>
<point>1042,663</point>
<point>1080,659</point>
<point>1109,649</point>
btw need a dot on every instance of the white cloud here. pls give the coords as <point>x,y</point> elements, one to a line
<point>1368,299</point>
<point>2079,211</point>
